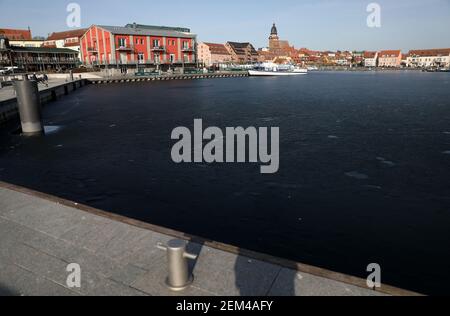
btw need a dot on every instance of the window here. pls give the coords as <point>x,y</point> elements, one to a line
<point>172,58</point>
<point>156,43</point>
<point>122,42</point>
<point>185,45</point>
<point>141,58</point>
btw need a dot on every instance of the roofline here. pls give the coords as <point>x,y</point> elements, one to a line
<point>103,27</point>
<point>48,37</point>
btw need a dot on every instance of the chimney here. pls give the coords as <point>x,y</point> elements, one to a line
<point>135,25</point>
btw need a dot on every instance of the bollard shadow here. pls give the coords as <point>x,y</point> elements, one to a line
<point>252,278</point>
<point>194,248</point>
<point>4,291</point>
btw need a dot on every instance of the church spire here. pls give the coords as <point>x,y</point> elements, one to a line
<point>274,30</point>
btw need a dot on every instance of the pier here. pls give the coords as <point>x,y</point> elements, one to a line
<point>55,90</point>
<point>41,235</point>
<point>127,79</point>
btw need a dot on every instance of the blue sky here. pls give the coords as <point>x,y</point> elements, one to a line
<point>316,24</point>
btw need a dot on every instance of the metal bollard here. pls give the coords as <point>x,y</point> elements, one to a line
<point>28,101</point>
<point>179,277</point>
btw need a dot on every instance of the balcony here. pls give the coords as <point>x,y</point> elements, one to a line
<point>92,50</point>
<point>125,48</point>
<point>158,49</point>
<point>188,50</point>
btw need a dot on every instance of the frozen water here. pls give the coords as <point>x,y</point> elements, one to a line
<point>357,175</point>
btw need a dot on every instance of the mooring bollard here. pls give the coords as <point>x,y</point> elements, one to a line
<point>179,277</point>
<point>29,105</point>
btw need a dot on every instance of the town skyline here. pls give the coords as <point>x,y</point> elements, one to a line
<point>320,25</point>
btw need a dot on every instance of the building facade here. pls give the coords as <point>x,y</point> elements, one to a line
<point>427,58</point>
<point>36,58</point>
<point>390,58</point>
<point>138,46</point>
<point>5,59</point>
<point>370,59</point>
<point>211,54</point>
<point>44,59</point>
<point>242,53</point>
<point>27,43</point>
<point>69,39</point>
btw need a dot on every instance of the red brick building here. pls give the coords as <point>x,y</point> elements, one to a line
<point>136,46</point>
<point>16,35</point>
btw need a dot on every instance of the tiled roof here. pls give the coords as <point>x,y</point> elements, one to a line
<point>370,54</point>
<point>72,44</point>
<point>240,48</point>
<point>147,31</point>
<point>67,34</point>
<point>430,52</point>
<point>13,34</point>
<point>218,49</point>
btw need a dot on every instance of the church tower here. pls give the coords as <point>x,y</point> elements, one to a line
<point>274,33</point>
<point>274,40</point>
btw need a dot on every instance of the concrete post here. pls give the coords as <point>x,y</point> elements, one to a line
<point>29,104</point>
<point>179,277</point>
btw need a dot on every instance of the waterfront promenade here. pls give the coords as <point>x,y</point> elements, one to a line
<point>39,238</point>
<point>8,92</point>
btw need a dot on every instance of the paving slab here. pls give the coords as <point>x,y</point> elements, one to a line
<point>44,216</point>
<point>16,281</point>
<point>230,275</point>
<point>293,283</point>
<point>40,238</point>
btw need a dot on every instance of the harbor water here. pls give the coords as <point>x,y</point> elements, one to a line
<point>364,166</point>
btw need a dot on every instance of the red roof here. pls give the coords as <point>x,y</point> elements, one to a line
<point>72,44</point>
<point>390,53</point>
<point>13,34</point>
<point>67,34</point>
<point>370,54</point>
<point>430,52</point>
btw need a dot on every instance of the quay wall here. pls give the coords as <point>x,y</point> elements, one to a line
<point>8,108</point>
<point>127,79</point>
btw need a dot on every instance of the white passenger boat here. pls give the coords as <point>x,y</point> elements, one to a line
<point>271,69</point>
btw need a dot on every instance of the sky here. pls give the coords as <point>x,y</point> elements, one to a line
<point>315,24</point>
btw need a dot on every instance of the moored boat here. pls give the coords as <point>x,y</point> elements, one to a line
<point>271,69</point>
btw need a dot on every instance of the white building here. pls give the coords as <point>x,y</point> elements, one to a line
<point>27,43</point>
<point>370,59</point>
<point>68,39</point>
<point>427,58</point>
